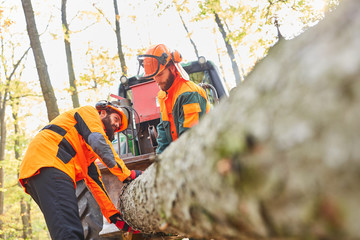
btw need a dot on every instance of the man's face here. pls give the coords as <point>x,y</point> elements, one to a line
<point>165,78</point>
<point>112,123</point>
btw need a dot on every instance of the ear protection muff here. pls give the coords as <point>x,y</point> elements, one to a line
<point>176,56</point>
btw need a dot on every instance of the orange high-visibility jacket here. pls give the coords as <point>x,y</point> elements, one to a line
<point>71,143</point>
<point>181,107</point>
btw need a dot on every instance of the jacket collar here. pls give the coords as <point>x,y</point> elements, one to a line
<point>178,79</point>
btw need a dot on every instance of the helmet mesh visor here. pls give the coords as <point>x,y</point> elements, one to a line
<point>148,67</point>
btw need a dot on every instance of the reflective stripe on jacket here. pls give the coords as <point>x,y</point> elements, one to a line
<point>181,107</point>
<point>71,143</point>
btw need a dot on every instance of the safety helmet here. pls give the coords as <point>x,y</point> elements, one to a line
<point>106,105</point>
<point>155,60</point>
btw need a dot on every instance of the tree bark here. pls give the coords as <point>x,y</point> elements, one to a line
<point>24,205</point>
<point>25,218</point>
<point>279,159</point>
<point>72,80</point>
<point>2,151</point>
<point>3,98</point>
<point>229,49</point>
<point>118,38</point>
<point>219,58</point>
<point>46,87</point>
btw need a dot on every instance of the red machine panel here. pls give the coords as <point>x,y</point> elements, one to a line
<point>145,101</point>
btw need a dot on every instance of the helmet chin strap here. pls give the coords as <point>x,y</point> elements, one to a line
<point>182,71</point>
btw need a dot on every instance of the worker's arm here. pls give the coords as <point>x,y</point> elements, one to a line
<point>97,188</point>
<point>90,127</point>
<point>162,139</point>
<point>189,107</point>
<point>108,156</point>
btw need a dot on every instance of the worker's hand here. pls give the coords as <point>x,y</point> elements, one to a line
<point>134,174</point>
<point>121,224</point>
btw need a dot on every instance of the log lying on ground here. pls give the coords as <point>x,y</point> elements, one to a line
<point>279,159</point>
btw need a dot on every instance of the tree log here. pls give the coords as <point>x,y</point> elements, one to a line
<point>279,159</point>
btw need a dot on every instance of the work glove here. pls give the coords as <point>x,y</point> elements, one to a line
<point>121,224</point>
<point>134,174</point>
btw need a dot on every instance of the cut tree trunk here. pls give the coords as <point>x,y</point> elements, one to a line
<point>278,159</point>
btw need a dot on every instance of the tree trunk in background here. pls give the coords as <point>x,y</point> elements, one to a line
<point>118,38</point>
<point>279,159</point>
<point>3,101</point>
<point>24,205</point>
<point>219,59</point>
<point>46,87</point>
<point>229,49</point>
<point>189,35</point>
<point>25,218</point>
<point>3,98</point>
<point>242,71</point>
<point>72,81</point>
<point>2,158</point>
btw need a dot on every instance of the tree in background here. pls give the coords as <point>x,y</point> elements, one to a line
<point>4,23</point>
<point>46,87</point>
<point>117,31</point>
<point>8,69</point>
<point>118,38</point>
<point>182,7</point>
<point>12,70</point>
<point>22,217</point>
<point>69,60</point>
<point>100,72</point>
<point>256,24</point>
<point>18,138</point>
<point>213,7</point>
<point>15,204</point>
<point>218,51</point>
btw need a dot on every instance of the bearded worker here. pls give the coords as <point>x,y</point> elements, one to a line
<point>64,152</point>
<point>182,102</point>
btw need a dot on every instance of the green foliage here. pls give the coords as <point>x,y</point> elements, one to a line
<point>102,71</point>
<point>19,102</point>
<point>12,227</point>
<point>5,23</point>
<point>251,24</point>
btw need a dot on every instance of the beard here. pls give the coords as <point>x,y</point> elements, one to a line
<point>169,82</point>
<point>108,128</point>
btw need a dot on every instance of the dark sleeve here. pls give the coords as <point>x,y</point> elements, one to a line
<point>97,188</point>
<point>162,140</point>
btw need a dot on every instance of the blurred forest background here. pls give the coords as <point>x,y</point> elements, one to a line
<point>87,45</point>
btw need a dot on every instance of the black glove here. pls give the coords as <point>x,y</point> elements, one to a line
<point>134,174</point>
<point>121,224</point>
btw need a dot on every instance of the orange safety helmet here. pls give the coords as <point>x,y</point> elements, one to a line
<point>155,60</point>
<point>104,105</point>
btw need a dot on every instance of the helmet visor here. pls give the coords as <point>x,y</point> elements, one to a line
<point>150,65</point>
